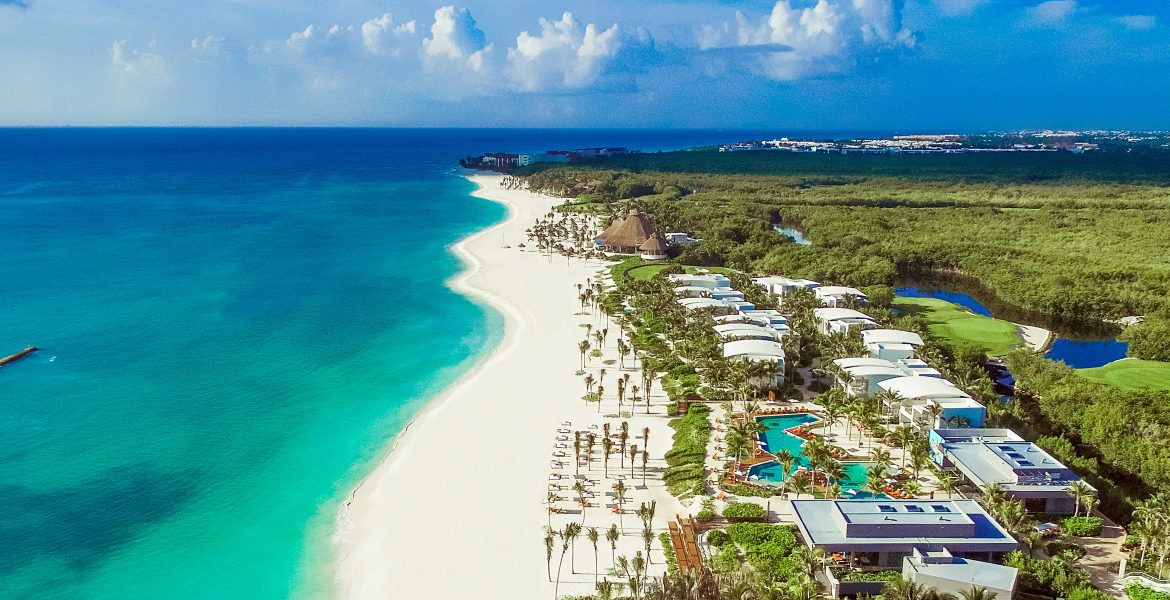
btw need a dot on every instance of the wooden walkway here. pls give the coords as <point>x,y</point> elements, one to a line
<point>685,542</point>
<point>19,355</point>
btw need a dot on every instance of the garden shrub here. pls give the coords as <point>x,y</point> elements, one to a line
<point>743,510</point>
<point>718,538</point>
<point>1083,526</point>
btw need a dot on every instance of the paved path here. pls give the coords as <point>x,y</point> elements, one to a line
<point>1103,558</point>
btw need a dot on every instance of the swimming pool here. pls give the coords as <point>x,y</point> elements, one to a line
<point>776,440</point>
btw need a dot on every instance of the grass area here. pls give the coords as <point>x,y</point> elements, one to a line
<point>1131,374</point>
<point>646,272</point>
<point>960,327</point>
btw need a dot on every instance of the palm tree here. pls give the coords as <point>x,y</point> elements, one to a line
<point>565,537</point>
<point>881,456</point>
<point>787,462</point>
<point>625,433</point>
<point>801,485</point>
<point>622,351</point>
<point>589,381</point>
<point>620,497</point>
<point>583,347</point>
<point>612,535</point>
<point>607,590</point>
<point>548,552</point>
<point>949,484</point>
<point>633,453</point>
<point>905,435</point>
<point>573,531</point>
<point>1080,491</point>
<point>904,589</point>
<point>645,459</point>
<point>593,536</point>
<point>647,540</point>
<point>579,487</point>
<point>977,593</point>
<point>601,376</point>
<point>835,490</point>
<point>913,488</point>
<point>589,441</point>
<point>607,448</point>
<point>577,452</point>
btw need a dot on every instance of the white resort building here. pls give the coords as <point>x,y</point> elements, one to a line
<point>891,344</point>
<point>843,320</point>
<point>837,296</point>
<point>920,394</point>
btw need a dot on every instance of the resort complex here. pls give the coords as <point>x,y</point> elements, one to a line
<point>803,418</point>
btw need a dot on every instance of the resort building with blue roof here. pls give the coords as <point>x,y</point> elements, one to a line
<point>881,533</point>
<point>999,457</point>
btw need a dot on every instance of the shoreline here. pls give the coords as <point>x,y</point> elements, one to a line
<point>412,502</point>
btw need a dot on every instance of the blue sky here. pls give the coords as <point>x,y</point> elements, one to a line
<point>819,64</point>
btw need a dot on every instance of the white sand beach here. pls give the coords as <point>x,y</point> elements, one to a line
<point>457,507</point>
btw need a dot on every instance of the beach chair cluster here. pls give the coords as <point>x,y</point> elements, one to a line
<point>684,539</point>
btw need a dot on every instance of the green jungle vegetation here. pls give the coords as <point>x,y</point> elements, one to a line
<point>1065,236</point>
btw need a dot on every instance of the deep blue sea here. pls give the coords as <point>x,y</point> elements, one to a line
<point>234,323</point>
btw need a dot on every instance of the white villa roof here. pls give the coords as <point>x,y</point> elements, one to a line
<point>836,314</point>
<point>731,330</point>
<point>753,348</point>
<point>726,319</point>
<point>891,336</point>
<point>870,371</point>
<point>846,363</point>
<point>698,303</point>
<point>837,290</point>
<point>691,288</point>
<point>932,388</point>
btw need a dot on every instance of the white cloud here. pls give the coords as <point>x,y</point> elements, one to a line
<point>129,63</point>
<point>1051,13</point>
<point>375,30</point>
<point>795,43</point>
<point>455,37</point>
<point>1138,21</point>
<point>953,8</point>
<point>565,54</point>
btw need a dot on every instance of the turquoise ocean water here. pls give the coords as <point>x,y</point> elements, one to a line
<point>234,324</point>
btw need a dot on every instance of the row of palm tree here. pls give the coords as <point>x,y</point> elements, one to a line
<point>905,589</point>
<point>568,541</point>
<point>1151,526</point>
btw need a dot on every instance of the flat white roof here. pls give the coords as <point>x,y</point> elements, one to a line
<point>891,336</point>
<point>870,371</point>
<point>846,363</point>
<point>733,319</point>
<point>697,303</point>
<point>912,387</point>
<point>836,314</point>
<point>837,290</point>
<point>745,330</point>
<point>758,348</point>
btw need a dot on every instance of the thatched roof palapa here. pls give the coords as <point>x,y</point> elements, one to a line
<point>655,246</point>
<point>630,233</point>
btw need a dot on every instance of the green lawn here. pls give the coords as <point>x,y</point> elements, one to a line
<point>646,271</point>
<point>958,326</point>
<point>1131,374</point>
